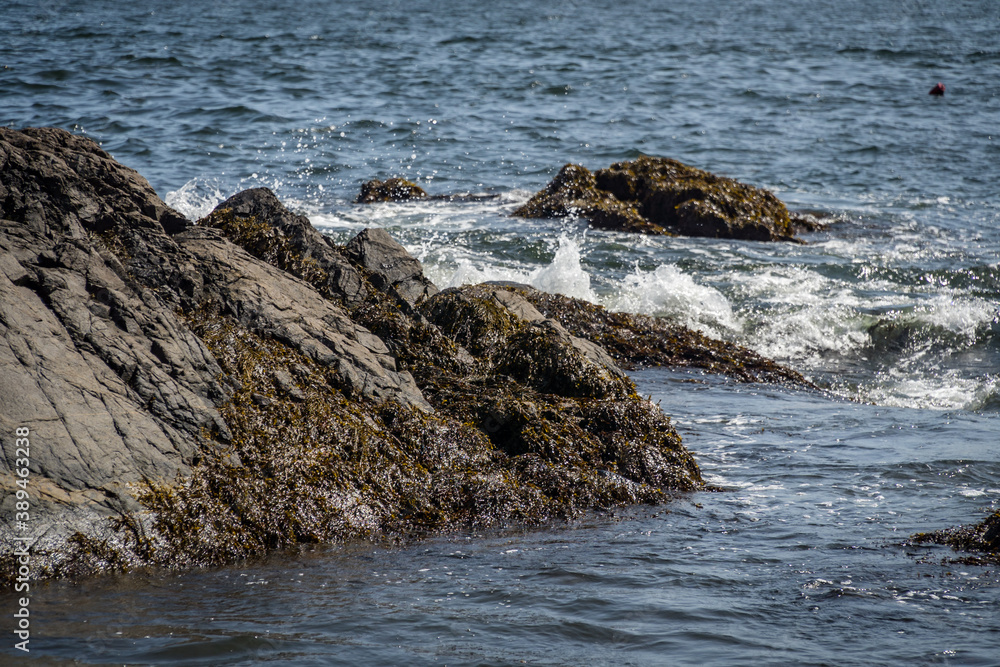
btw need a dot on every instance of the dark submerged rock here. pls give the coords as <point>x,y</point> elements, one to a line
<point>662,196</point>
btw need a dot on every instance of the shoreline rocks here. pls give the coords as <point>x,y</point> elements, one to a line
<point>200,393</point>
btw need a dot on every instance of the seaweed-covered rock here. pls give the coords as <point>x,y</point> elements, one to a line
<point>574,192</point>
<point>660,195</point>
<point>636,341</point>
<point>391,189</point>
<point>95,358</point>
<point>981,541</point>
<point>504,329</point>
<point>243,384</point>
<point>259,223</point>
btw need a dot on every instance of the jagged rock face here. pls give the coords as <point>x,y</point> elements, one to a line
<point>264,227</point>
<point>94,356</point>
<point>391,267</point>
<point>56,182</point>
<point>112,383</point>
<point>663,196</point>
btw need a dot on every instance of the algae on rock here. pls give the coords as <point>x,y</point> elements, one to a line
<point>981,541</point>
<point>654,195</point>
<point>391,189</point>
<point>266,387</point>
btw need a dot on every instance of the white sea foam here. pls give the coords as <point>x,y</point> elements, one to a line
<point>921,388</point>
<point>962,316</point>
<point>563,275</point>
<point>667,291</point>
<point>196,198</point>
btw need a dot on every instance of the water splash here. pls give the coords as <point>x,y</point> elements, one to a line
<point>196,198</point>
<point>565,275</point>
<point>667,291</point>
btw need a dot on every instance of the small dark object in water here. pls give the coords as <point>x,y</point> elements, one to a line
<point>938,89</point>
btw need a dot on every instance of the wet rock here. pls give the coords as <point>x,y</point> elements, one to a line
<point>97,357</point>
<point>663,196</point>
<point>259,223</point>
<point>980,541</point>
<point>244,384</point>
<point>390,267</point>
<point>391,189</point>
<point>502,327</point>
<point>574,192</point>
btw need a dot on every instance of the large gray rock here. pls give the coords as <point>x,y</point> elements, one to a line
<point>112,384</point>
<point>96,357</point>
<point>274,304</point>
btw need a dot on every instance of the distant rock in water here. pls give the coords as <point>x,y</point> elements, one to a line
<point>980,541</point>
<point>200,393</point>
<point>391,189</point>
<point>653,195</point>
<point>398,189</point>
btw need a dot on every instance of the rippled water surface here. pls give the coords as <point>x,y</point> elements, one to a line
<point>892,310</point>
<point>799,562</point>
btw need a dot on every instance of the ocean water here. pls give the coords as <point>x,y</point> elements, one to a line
<point>892,310</point>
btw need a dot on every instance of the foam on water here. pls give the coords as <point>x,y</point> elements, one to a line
<point>667,291</point>
<point>563,275</point>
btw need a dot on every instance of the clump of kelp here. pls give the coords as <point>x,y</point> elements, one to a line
<point>981,541</point>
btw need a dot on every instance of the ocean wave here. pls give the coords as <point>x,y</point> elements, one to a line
<point>667,291</point>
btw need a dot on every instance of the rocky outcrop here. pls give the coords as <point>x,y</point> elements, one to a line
<point>97,357</point>
<point>391,268</point>
<point>260,224</point>
<point>662,196</point>
<point>240,384</point>
<point>111,383</point>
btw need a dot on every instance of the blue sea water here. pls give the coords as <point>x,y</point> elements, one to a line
<point>892,309</point>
